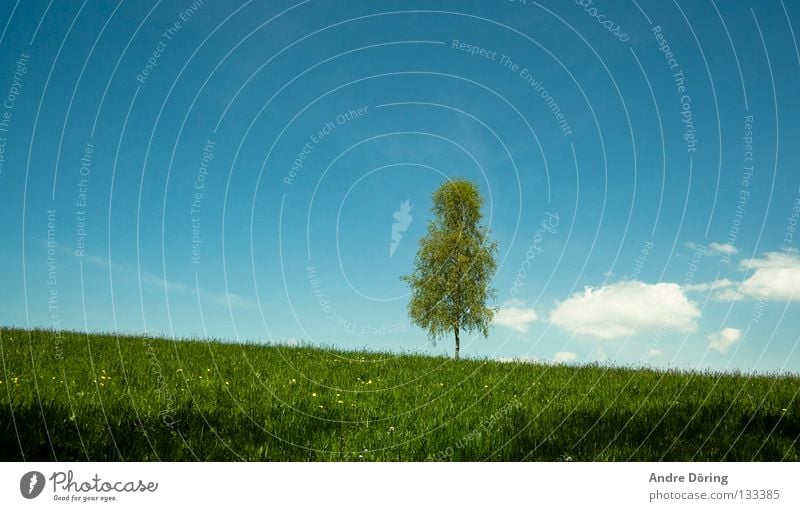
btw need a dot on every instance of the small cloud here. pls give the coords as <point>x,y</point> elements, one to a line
<point>654,353</point>
<point>562,357</point>
<point>599,355</point>
<point>519,360</point>
<point>513,314</point>
<point>724,339</point>
<point>713,248</point>
<point>721,249</point>
<point>626,308</point>
<point>290,342</point>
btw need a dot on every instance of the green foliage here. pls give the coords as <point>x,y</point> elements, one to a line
<point>134,398</point>
<point>454,266</point>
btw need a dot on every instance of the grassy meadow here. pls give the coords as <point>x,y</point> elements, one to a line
<point>75,396</point>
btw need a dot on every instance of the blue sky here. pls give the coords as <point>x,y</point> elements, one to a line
<point>234,170</point>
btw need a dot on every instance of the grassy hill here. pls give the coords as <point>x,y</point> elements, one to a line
<point>102,397</point>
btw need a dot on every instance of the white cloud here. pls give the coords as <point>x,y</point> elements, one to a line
<point>721,248</point>
<point>626,308</point>
<point>563,357</point>
<point>724,339</point>
<point>515,315</point>
<point>776,276</point>
<point>772,260</point>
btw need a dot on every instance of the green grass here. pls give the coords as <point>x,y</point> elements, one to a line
<point>103,397</point>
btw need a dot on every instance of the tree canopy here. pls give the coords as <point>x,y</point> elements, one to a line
<point>454,266</point>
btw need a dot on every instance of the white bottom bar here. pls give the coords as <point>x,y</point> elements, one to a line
<point>401,486</point>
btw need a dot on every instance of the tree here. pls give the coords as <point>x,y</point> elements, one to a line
<point>454,266</point>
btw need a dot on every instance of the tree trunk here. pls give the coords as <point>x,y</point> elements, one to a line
<point>458,345</point>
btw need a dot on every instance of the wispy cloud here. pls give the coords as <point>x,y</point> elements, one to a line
<point>709,286</point>
<point>155,281</point>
